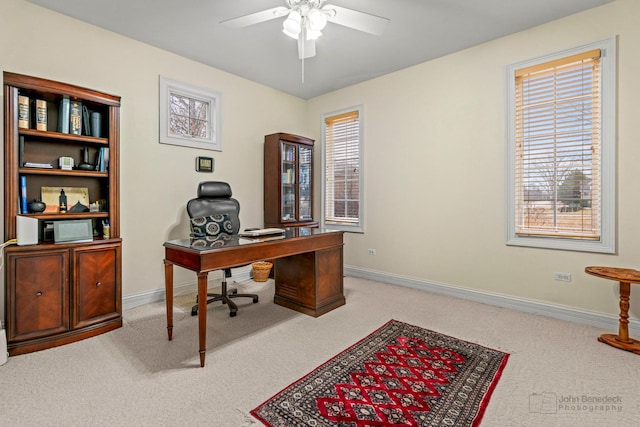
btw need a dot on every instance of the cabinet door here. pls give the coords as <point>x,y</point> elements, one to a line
<point>37,298</point>
<point>288,182</point>
<point>305,162</point>
<point>96,288</point>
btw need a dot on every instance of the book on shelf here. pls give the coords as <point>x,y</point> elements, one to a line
<point>102,159</point>
<point>105,157</point>
<point>23,111</point>
<point>23,195</point>
<point>38,165</point>
<point>63,114</point>
<point>20,151</point>
<point>75,117</point>
<point>85,120</point>
<point>41,114</point>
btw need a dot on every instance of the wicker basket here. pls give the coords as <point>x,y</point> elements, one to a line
<point>261,271</point>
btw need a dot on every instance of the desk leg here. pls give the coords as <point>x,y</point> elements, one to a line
<point>168,296</point>
<point>202,315</point>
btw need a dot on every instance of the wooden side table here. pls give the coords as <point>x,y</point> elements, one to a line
<point>625,276</point>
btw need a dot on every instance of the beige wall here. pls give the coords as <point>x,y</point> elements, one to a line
<point>156,179</point>
<point>434,152</point>
<point>435,168</point>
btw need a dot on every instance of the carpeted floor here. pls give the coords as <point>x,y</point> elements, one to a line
<point>557,374</point>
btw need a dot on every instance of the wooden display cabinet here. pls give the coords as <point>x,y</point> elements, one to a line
<point>288,181</point>
<point>60,293</point>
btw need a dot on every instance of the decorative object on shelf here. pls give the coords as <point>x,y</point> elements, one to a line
<point>261,270</point>
<point>106,229</point>
<point>96,124</point>
<point>37,206</point>
<point>65,163</point>
<point>62,201</point>
<point>85,165</point>
<point>78,207</point>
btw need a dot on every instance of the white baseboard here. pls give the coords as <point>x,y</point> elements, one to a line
<point>130,301</point>
<point>607,322</point>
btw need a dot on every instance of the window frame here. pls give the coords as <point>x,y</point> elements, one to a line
<point>213,140</point>
<point>607,241</point>
<point>324,222</point>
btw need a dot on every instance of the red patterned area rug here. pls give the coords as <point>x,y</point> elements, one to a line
<point>400,375</point>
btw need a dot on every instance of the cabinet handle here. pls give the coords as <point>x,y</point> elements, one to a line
<point>39,294</point>
<point>98,284</point>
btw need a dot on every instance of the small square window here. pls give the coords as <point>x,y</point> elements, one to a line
<point>189,116</point>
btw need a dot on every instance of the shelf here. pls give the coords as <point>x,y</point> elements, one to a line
<point>68,215</point>
<point>62,172</point>
<point>66,137</point>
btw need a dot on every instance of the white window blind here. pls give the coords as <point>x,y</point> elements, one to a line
<point>558,146</point>
<point>342,198</point>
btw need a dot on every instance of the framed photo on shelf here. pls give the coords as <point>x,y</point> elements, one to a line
<point>51,196</point>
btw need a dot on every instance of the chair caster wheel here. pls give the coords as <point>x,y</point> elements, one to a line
<point>232,313</point>
<point>255,300</point>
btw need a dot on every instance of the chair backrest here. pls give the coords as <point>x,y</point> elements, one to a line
<point>214,197</point>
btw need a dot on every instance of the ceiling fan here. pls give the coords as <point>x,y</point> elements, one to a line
<point>307,18</point>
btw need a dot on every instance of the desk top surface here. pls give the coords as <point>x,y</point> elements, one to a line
<point>208,243</point>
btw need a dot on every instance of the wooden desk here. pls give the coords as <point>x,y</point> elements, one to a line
<point>625,276</point>
<point>308,269</point>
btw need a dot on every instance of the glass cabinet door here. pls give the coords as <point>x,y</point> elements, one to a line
<point>288,182</point>
<point>304,196</point>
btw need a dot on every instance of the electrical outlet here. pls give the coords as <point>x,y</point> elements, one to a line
<point>563,277</point>
<point>372,251</point>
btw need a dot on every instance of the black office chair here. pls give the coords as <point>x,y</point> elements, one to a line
<point>214,201</point>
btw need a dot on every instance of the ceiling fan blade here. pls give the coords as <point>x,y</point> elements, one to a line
<point>306,48</point>
<point>256,18</point>
<point>357,20</point>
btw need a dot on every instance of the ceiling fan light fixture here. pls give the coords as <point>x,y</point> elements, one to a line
<point>292,25</point>
<point>313,34</point>
<point>317,19</point>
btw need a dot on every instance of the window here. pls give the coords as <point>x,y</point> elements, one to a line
<point>561,149</point>
<point>342,201</point>
<point>189,116</point>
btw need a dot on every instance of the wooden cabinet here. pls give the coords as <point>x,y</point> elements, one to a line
<point>288,181</point>
<point>59,293</point>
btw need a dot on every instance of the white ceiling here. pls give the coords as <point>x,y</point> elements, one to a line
<point>419,30</point>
